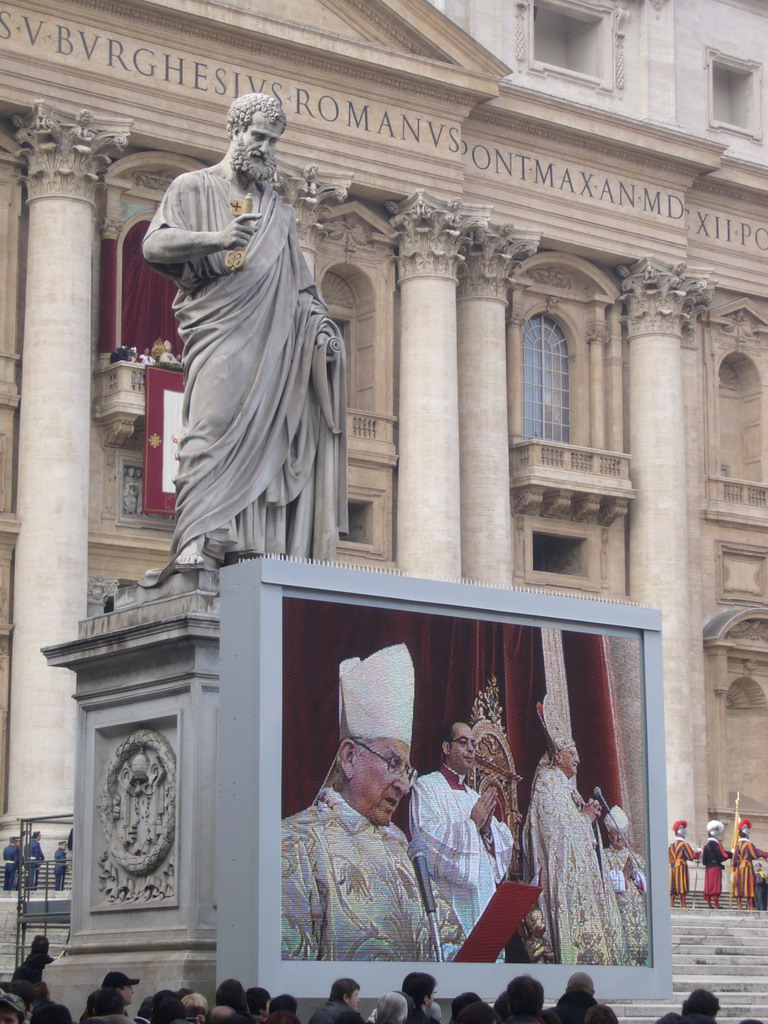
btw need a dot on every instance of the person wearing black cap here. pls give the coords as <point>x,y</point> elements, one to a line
<point>12,1009</point>
<point>11,855</point>
<point>33,854</point>
<point>60,867</point>
<point>118,980</point>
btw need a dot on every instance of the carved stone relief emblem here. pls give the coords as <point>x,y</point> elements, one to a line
<point>155,181</point>
<point>138,815</point>
<point>750,629</point>
<point>741,325</point>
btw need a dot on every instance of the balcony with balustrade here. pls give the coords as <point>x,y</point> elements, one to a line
<point>737,501</point>
<point>549,478</point>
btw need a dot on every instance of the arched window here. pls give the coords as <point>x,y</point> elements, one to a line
<point>546,391</point>
<point>746,716</point>
<point>350,300</point>
<point>740,397</point>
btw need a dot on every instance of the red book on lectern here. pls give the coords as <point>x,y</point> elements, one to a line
<point>498,923</point>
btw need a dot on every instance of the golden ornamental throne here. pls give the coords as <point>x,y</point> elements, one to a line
<point>494,765</point>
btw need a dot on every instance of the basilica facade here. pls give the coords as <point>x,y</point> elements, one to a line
<point>541,225</point>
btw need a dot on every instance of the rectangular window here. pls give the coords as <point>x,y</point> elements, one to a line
<point>734,94</point>
<point>563,41</point>
<point>730,95</point>
<point>360,522</point>
<point>565,556</point>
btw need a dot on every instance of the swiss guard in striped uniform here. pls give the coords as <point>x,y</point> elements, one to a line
<point>744,855</point>
<point>680,852</point>
<point>713,858</point>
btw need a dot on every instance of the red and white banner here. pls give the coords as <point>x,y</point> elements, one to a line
<point>164,397</point>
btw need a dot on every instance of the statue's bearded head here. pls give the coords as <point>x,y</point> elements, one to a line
<point>255,122</point>
<point>248,163</point>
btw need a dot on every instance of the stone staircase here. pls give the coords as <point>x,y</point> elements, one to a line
<point>7,937</point>
<point>725,951</point>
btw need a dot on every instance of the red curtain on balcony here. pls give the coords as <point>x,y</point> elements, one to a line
<point>147,312</point>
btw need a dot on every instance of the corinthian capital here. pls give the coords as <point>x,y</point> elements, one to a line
<point>491,256</point>
<point>66,155</point>
<point>308,194</point>
<point>429,233</point>
<point>663,298</point>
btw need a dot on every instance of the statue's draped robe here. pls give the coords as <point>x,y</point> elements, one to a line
<point>349,890</point>
<point>577,899</point>
<point>631,902</point>
<point>464,872</point>
<point>262,458</point>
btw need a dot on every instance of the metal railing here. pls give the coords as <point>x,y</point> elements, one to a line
<point>44,900</point>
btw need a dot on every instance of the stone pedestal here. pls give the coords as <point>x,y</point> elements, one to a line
<point>146,843</point>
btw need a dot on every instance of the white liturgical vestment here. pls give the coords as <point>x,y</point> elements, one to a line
<point>464,869</point>
<point>349,891</point>
<point>577,898</point>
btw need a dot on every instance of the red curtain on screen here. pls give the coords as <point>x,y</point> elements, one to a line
<point>147,298</point>
<point>453,659</point>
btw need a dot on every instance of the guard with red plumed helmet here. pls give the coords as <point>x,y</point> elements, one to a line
<point>680,852</point>
<point>744,856</point>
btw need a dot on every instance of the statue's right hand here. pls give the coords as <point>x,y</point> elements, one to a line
<point>239,232</point>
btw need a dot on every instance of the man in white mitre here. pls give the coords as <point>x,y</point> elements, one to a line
<point>349,889</point>
<point>582,919</point>
<point>468,850</point>
<point>626,871</point>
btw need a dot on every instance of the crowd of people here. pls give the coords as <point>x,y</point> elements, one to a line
<point>27,998</point>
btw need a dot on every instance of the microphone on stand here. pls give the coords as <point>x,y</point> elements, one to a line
<point>419,860</point>
<point>599,794</point>
<point>598,845</point>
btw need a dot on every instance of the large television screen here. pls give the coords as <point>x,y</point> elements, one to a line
<point>441,774</point>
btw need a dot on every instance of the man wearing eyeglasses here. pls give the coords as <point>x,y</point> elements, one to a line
<point>349,889</point>
<point>468,849</point>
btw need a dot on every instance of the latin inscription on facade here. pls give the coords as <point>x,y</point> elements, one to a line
<point>82,46</point>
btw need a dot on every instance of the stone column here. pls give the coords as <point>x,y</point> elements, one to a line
<point>614,371</point>
<point>515,324</point>
<point>597,337</point>
<point>659,301</point>
<point>308,194</point>
<point>490,256</point>
<point>65,159</point>
<point>428,503</point>
<point>10,230</point>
